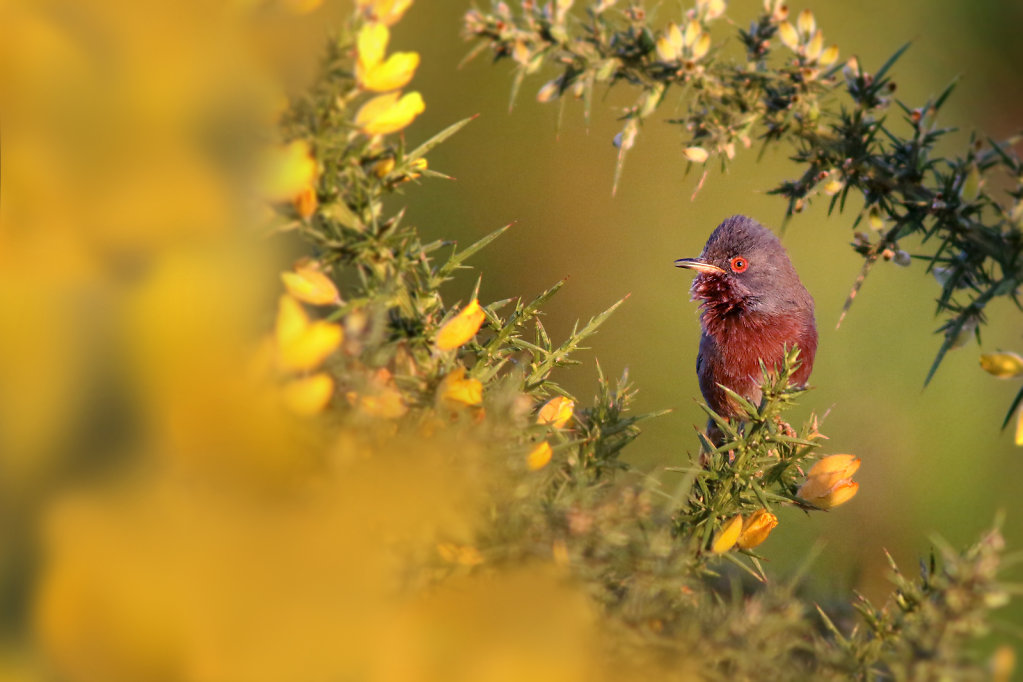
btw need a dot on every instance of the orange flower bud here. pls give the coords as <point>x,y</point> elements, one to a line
<point>539,456</point>
<point>556,412</point>
<point>829,482</point>
<point>756,529</point>
<point>461,328</point>
<point>455,388</point>
<point>309,284</point>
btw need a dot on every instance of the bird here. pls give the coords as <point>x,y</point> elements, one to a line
<point>753,308</point>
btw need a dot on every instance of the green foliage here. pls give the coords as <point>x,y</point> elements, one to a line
<point>838,120</point>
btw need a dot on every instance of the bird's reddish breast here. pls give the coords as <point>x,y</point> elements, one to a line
<point>737,343</point>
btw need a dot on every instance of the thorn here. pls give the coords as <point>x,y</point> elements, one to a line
<point>699,185</point>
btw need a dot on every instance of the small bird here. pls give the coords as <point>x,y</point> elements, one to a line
<point>753,307</point>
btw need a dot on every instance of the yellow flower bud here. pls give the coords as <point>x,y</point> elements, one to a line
<point>727,536</point>
<point>309,284</point>
<point>455,388</point>
<point>807,24</point>
<point>971,184</point>
<point>696,154</point>
<point>692,34</point>
<point>756,528</point>
<point>1004,365</point>
<point>461,328</point>
<point>385,114</point>
<point>1019,427</point>
<point>702,46</point>
<point>665,52</point>
<point>547,92</point>
<point>302,345</point>
<point>521,52</point>
<point>788,35</point>
<point>829,56</point>
<point>828,483</point>
<point>833,187</point>
<point>556,412</point>
<point>715,8</point>
<point>382,167</point>
<point>539,456</point>
<point>815,46</point>
<point>309,395</point>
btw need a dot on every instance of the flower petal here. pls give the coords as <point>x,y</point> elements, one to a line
<point>539,456</point>
<point>461,328</point>
<point>728,535</point>
<point>556,412</point>
<point>309,395</point>
<point>309,284</point>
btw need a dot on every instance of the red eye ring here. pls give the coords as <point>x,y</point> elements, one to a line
<point>738,264</point>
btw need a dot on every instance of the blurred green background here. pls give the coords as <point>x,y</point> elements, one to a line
<point>934,459</point>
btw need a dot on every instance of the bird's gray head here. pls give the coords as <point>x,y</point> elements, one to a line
<point>744,268</point>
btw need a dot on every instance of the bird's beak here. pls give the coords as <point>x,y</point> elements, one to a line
<point>698,265</point>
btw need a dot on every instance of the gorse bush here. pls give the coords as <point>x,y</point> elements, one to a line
<point>385,483</point>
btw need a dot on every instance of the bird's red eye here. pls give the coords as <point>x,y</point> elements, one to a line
<point>739,264</point>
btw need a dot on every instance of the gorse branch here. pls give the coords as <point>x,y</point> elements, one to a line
<point>840,122</point>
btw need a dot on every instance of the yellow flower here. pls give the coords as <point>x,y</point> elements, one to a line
<point>1003,365</point>
<point>309,284</point>
<point>461,328</point>
<point>728,535</point>
<point>829,482</point>
<point>388,12</point>
<point>286,171</point>
<point>539,456</point>
<point>455,388</point>
<point>305,203</point>
<point>301,344</point>
<point>696,154</point>
<point>756,529</point>
<point>372,71</point>
<point>556,412</point>
<point>389,113</point>
<point>309,395</point>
